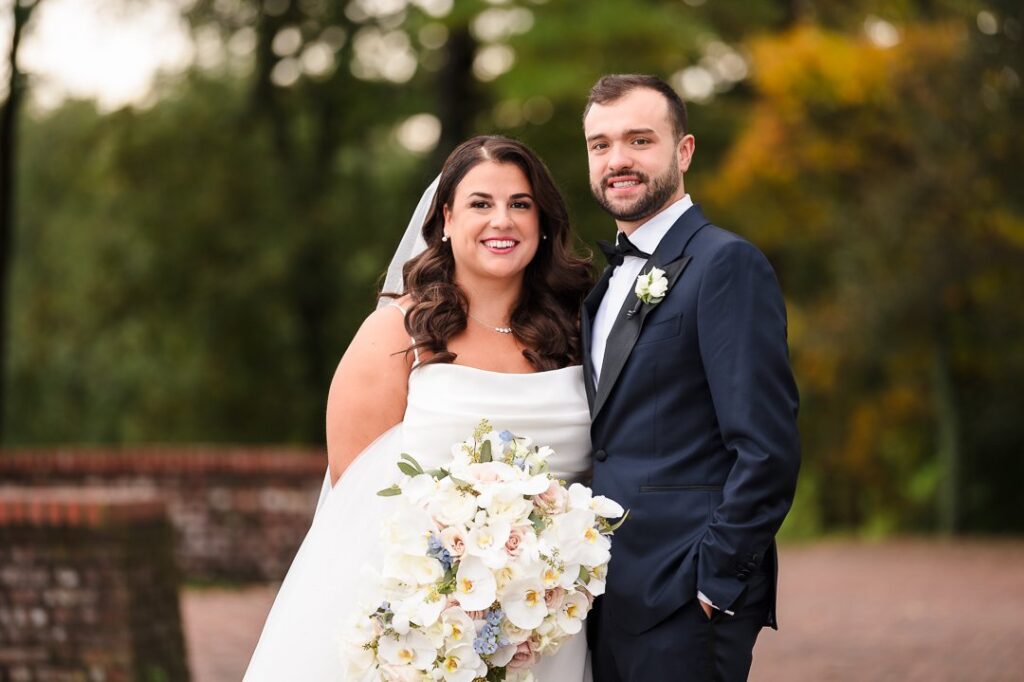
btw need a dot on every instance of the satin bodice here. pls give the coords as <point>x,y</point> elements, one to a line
<point>447,401</point>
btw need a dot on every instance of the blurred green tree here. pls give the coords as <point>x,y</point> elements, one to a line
<point>20,13</point>
<point>876,169</point>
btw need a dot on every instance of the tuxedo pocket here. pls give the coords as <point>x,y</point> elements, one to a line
<point>679,488</point>
<point>661,330</point>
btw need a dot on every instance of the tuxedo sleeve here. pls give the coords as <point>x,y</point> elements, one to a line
<point>741,323</point>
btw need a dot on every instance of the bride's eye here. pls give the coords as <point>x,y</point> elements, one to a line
<point>525,205</point>
<point>479,204</point>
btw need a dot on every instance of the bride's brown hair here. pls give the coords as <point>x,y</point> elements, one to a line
<point>546,318</point>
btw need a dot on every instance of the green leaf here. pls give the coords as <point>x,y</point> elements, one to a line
<point>485,452</point>
<point>615,526</point>
<point>409,458</point>
<point>538,522</point>
<point>447,585</point>
<point>584,576</point>
<point>390,492</point>
<point>409,469</point>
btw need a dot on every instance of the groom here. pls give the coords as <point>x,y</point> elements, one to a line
<point>693,405</point>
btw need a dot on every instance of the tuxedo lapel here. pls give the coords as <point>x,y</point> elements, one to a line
<point>587,312</point>
<point>669,256</point>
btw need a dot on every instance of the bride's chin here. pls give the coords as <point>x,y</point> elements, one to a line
<point>500,272</point>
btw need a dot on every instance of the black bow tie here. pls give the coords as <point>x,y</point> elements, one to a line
<point>616,253</point>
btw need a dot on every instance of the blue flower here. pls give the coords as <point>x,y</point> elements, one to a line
<point>436,550</point>
<point>505,436</point>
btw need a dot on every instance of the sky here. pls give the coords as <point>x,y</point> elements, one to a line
<point>107,50</point>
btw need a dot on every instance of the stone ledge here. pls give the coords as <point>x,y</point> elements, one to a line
<point>164,460</point>
<point>77,507</point>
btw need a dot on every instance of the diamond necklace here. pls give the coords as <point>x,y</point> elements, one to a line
<point>500,330</point>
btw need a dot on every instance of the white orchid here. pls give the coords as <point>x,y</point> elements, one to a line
<point>571,613</point>
<point>582,497</point>
<point>475,587</point>
<point>458,628</point>
<point>462,664</point>
<point>413,649</point>
<point>421,608</point>
<point>577,538</point>
<point>598,579</point>
<point>523,603</point>
<point>488,543</point>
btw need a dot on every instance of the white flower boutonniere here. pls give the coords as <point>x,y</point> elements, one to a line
<point>652,286</point>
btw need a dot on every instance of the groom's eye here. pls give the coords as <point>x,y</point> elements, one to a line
<point>641,141</point>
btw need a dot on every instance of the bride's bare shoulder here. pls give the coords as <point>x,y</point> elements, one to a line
<point>368,392</point>
<point>382,333</point>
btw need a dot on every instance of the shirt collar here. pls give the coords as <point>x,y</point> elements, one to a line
<point>649,235</point>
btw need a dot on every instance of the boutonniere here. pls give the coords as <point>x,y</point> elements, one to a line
<point>650,289</point>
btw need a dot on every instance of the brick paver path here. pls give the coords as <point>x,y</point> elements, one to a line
<point>904,610</point>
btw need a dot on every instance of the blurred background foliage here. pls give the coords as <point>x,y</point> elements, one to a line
<point>191,269</point>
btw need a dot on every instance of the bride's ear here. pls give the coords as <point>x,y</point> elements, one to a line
<point>447,213</point>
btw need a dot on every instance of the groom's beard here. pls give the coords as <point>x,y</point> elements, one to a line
<point>659,191</point>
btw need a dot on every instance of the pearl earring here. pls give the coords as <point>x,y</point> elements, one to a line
<point>543,236</point>
<point>444,238</point>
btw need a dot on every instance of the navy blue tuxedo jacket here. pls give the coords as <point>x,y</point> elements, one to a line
<point>694,427</point>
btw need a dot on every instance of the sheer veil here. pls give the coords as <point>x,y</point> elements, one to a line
<point>411,245</point>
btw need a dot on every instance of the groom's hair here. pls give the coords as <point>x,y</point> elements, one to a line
<point>616,86</point>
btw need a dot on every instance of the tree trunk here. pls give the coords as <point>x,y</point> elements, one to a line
<point>265,102</point>
<point>21,11</point>
<point>458,101</point>
<point>947,436</point>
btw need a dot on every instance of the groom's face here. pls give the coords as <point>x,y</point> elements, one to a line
<point>636,163</point>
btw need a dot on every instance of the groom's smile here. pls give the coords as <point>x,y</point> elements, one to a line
<point>624,186</point>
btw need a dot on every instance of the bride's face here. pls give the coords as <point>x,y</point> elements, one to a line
<point>492,223</point>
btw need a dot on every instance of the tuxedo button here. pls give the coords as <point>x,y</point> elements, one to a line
<point>742,577</point>
<point>600,455</point>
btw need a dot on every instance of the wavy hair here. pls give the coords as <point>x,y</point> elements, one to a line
<point>545,320</point>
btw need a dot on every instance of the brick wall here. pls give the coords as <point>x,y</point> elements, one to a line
<point>239,514</point>
<point>88,587</point>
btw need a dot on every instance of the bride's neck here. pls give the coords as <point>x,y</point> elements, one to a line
<point>492,301</point>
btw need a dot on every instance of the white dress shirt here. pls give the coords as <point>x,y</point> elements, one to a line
<point>623,279</point>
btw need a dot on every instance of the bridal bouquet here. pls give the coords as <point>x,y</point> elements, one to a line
<point>488,563</point>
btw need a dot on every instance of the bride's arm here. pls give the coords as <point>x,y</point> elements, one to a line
<point>369,389</point>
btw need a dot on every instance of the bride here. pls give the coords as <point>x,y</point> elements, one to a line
<point>484,325</point>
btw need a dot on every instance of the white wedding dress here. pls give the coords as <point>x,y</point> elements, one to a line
<point>302,636</point>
